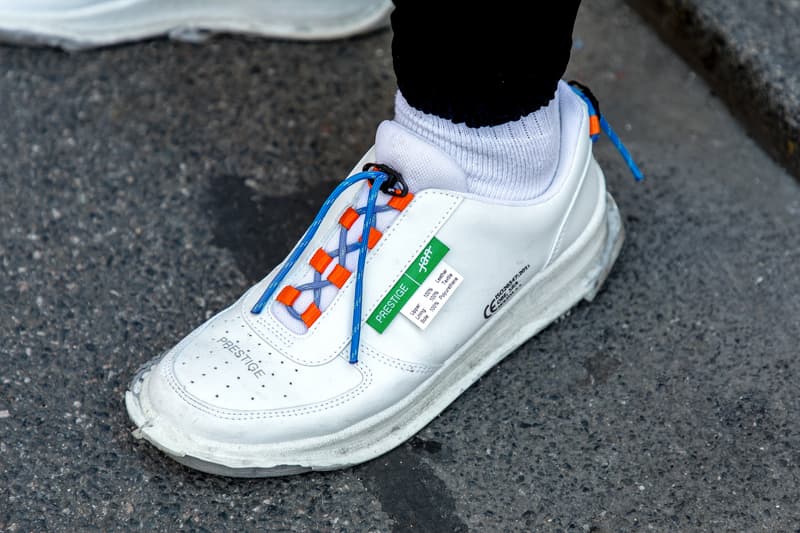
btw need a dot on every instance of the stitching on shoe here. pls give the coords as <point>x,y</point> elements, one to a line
<point>230,414</point>
<point>556,249</point>
<point>399,364</point>
<point>280,332</point>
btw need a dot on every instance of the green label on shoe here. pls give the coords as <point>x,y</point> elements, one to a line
<point>408,283</point>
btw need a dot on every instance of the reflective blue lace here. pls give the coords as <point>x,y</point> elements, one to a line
<point>369,211</point>
<point>609,131</point>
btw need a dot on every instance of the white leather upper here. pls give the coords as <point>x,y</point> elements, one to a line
<point>307,383</point>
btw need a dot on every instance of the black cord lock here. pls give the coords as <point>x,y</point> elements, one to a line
<point>395,185</point>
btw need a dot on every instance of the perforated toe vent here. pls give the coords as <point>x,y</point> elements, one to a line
<point>230,367</point>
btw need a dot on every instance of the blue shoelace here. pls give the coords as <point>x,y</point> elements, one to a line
<point>594,113</point>
<point>380,177</point>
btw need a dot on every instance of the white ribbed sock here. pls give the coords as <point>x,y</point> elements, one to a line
<point>512,161</point>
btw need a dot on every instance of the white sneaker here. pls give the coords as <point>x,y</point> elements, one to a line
<point>451,285</point>
<point>77,24</point>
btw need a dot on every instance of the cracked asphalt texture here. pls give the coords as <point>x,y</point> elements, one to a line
<point>144,187</point>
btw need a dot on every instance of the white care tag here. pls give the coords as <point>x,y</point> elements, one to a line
<point>431,296</point>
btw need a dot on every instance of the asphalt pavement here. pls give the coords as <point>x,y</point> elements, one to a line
<point>144,187</point>
<point>748,51</point>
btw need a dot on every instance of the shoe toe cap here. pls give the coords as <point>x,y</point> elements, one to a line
<point>226,383</point>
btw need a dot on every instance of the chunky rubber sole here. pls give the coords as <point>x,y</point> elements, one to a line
<point>576,275</point>
<point>118,21</point>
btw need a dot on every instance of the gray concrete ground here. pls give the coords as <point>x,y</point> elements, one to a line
<point>144,187</point>
<point>749,51</point>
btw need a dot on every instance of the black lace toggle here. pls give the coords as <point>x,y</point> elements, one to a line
<point>394,185</point>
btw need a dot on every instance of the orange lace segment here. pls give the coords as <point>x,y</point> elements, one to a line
<point>339,276</point>
<point>594,125</point>
<point>348,218</point>
<point>400,202</point>
<point>288,295</point>
<point>310,315</point>
<point>320,260</point>
<point>374,237</point>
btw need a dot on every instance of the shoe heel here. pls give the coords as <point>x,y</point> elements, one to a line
<point>615,236</point>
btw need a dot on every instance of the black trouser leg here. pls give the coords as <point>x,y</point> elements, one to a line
<point>481,63</point>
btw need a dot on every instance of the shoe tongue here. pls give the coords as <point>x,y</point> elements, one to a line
<point>422,165</point>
